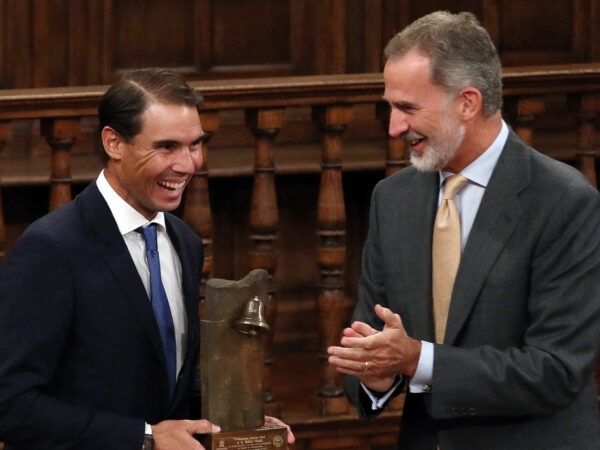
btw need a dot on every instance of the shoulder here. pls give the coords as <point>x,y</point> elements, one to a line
<point>553,176</point>
<point>541,166</point>
<point>74,219</point>
<point>557,170</point>
<point>406,182</point>
<point>181,229</point>
<point>531,172</point>
<point>59,225</point>
<point>401,178</point>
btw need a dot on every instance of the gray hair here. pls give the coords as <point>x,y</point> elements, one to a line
<point>461,51</point>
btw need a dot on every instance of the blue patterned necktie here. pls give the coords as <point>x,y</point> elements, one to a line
<point>160,305</point>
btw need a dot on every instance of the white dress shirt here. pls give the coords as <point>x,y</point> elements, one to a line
<point>128,221</point>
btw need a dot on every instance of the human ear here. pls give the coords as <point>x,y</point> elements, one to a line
<point>111,141</point>
<point>470,103</point>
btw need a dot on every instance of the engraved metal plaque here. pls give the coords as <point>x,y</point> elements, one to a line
<point>266,438</point>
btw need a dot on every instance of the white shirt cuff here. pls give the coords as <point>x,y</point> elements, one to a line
<point>421,381</point>
<point>377,403</point>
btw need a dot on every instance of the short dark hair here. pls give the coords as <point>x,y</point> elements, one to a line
<point>462,54</point>
<point>124,103</point>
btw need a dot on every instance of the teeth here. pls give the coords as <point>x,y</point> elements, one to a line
<point>172,185</point>
<point>413,138</point>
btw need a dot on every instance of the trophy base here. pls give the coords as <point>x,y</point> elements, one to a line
<point>264,438</point>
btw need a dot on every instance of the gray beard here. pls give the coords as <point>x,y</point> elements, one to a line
<point>438,154</point>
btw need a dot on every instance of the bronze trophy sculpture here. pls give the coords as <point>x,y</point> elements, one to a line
<point>231,364</point>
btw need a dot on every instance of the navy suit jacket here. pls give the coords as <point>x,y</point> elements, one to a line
<point>81,363</point>
<point>524,323</point>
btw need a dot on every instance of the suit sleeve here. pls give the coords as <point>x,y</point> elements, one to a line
<point>36,309</point>
<point>554,362</point>
<point>371,292</point>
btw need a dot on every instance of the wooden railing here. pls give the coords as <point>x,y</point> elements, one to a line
<point>334,124</point>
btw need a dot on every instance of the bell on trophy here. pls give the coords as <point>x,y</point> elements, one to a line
<point>251,320</point>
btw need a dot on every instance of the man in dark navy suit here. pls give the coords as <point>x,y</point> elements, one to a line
<point>82,362</point>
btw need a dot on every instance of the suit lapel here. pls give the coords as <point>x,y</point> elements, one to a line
<point>421,205</point>
<point>496,219</point>
<point>190,291</point>
<point>189,288</point>
<point>98,217</point>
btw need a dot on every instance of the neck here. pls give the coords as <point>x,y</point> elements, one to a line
<point>479,135</point>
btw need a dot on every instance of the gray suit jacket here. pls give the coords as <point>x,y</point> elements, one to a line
<point>524,323</point>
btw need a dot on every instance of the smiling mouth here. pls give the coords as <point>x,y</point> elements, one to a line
<point>413,139</point>
<point>172,186</point>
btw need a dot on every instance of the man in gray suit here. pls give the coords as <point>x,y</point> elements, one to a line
<point>514,369</point>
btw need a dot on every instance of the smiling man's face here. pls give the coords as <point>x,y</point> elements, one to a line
<point>151,170</point>
<point>421,112</point>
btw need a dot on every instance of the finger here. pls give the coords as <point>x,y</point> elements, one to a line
<point>390,318</point>
<point>349,366</point>
<point>340,356</point>
<point>363,330</point>
<point>350,332</point>
<point>334,350</point>
<point>345,355</point>
<point>275,421</point>
<point>203,426</point>
<point>360,342</point>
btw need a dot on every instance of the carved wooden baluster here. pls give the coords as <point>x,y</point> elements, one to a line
<point>264,219</point>
<point>586,108</point>
<point>524,111</point>
<point>197,212</point>
<point>60,135</point>
<point>5,136</point>
<point>331,252</point>
<point>397,156</point>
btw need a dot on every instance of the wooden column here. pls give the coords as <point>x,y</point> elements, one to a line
<point>60,135</point>
<point>5,136</point>
<point>396,157</point>
<point>586,108</point>
<point>265,124</point>
<point>197,212</point>
<point>331,253</point>
<point>523,112</point>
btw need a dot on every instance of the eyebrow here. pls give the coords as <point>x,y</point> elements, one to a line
<point>201,139</point>
<point>171,142</point>
<point>404,105</point>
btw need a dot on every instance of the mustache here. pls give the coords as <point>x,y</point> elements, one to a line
<point>409,135</point>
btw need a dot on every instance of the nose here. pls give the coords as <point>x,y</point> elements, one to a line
<point>398,123</point>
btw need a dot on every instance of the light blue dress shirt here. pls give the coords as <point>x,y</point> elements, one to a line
<point>467,202</point>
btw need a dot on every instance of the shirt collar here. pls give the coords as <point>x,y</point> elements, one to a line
<point>480,170</point>
<point>127,218</point>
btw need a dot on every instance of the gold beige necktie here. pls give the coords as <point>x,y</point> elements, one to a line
<point>445,253</point>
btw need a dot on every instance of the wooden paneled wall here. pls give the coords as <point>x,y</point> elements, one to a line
<point>285,186</point>
<point>47,43</point>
